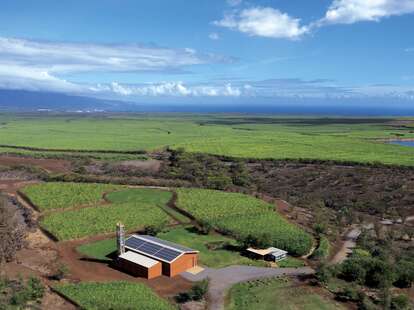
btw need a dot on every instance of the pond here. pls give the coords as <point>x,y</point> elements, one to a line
<point>403,143</point>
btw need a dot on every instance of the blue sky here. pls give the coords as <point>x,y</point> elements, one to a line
<point>217,50</point>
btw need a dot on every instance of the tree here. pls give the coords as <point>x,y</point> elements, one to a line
<point>404,271</point>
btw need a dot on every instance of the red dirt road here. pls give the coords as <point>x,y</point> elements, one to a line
<point>50,165</point>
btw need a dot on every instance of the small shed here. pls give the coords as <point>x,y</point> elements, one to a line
<point>272,254</point>
<point>140,265</point>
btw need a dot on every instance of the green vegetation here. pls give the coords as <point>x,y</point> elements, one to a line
<point>215,250</point>
<point>19,294</point>
<point>323,249</point>
<point>98,249</point>
<point>268,294</point>
<point>258,137</point>
<point>245,218</point>
<point>55,195</point>
<point>114,295</point>
<point>290,262</point>
<point>135,208</point>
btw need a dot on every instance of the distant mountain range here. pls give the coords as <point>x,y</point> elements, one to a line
<point>33,101</point>
<point>29,101</point>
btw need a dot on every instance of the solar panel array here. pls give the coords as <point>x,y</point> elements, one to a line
<point>152,249</point>
<point>166,243</point>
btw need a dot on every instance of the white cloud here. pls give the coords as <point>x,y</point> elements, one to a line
<point>173,89</point>
<point>264,22</point>
<point>41,65</point>
<point>234,2</point>
<point>352,11</point>
<point>214,36</point>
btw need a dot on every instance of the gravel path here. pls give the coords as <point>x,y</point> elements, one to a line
<point>222,279</point>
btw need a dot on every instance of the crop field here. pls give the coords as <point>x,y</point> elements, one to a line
<point>89,221</point>
<point>56,195</point>
<point>241,215</point>
<point>237,136</point>
<point>265,294</point>
<point>113,295</point>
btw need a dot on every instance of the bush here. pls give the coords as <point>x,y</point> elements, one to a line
<point>197,293</point>
<point>322,251</point>
<point>404,274</point>
<point>354,269</point>
<point>323,274</point>
<point>400,302</point>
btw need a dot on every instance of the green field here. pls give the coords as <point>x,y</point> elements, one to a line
<point>269,294</point>
<point>56,195</point>
<point>143,210</point>
<point>98,249</point>
<point>114,295</point>
<point>241,215</point>
<point>238,136</point>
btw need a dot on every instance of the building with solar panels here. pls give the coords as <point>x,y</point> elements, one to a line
<point>150,257</point>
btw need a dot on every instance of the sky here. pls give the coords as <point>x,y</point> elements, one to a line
<point>211,51</point>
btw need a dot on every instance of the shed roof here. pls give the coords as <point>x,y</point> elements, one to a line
<point>139,259</point>
<point>156,248</point>
<point>264,252</point>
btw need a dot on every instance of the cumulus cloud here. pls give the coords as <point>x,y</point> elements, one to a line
<point>264,22</point>
<point>352,11</point>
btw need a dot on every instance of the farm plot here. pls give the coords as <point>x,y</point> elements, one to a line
<point>243,216</point>
<point>57,195</point>
<point>133,213</point>
<point>114,295</point>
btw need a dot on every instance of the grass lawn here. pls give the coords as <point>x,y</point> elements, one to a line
<point>99,249</point>
<point>114,295</point>
<point>291,262</point>
<point>270,294</point>
<point>216,258</point>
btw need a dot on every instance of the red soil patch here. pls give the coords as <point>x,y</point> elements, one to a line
<point>50,165</point>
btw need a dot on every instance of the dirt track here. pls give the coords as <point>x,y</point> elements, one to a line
<point>50,165</point>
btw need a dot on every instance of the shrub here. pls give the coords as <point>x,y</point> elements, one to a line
<point>400,302</point>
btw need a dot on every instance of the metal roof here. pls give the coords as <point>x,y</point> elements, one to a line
<point>264,252</point>
<point>139,259</point>
<point>156,248</point>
